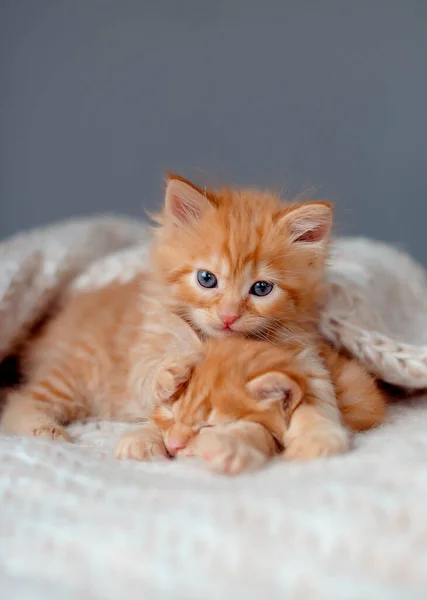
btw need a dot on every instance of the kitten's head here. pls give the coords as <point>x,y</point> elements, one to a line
<point>236,380</point>
<point>240,261</point>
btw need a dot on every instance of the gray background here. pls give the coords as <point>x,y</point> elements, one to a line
<point>98,98</point>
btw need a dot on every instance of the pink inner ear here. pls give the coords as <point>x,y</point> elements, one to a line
<point>272,386</point>
<point>316,234</point>
<point>183,209</point>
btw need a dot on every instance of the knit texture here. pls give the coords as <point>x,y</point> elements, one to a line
<point>75,524</point>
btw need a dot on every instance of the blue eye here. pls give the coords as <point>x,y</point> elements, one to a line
<point>261,288</point>
<point>207,279</point>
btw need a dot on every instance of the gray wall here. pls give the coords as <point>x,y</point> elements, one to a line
<point>98,97</point>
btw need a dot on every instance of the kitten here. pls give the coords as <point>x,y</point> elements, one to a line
<point>242,262</point>
<point>235,262</point>
<point>235,410</point>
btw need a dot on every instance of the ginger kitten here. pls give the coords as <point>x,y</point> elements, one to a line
<point>240,261</point>
<point>235,409</point>
<point>227,263</point>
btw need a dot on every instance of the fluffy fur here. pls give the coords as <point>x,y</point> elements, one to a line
<point>242,236</point>
<point>237,406</point>
<point>122,351</point>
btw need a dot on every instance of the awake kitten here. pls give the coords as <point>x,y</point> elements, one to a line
<point>242,262</point>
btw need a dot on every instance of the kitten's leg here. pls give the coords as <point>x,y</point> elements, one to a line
<point>145,443</point>
<point>232,448</point>
<point>315,427</point>
<point>311,434</point>
<point>172,373</point>
<point>40,408</point>
<point>361,403</point>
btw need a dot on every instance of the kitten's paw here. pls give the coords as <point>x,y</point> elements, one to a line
<point>224,452</point>
<point>172,374</point>
<point>135,445</point>
<point>318,443</point>
<point>52,432</point>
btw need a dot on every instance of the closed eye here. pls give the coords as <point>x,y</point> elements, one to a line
<point>197,428</point>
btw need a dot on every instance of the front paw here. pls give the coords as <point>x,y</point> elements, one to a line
<point>136,445</point>
<point>316,443</point>
<point>224,452</point>
<point>53,432</point>
<point>172,374</point>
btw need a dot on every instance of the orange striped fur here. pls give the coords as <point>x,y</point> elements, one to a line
<point>122,351</point>
<point>236,408</point>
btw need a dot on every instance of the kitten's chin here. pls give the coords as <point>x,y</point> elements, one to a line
<point>217,332</point>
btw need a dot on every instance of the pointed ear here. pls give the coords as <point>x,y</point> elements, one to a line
<point>184,202</point>
<point>275,387</point>
<point>309,223</point>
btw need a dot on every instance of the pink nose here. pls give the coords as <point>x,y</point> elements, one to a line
<point>229,319</point>
<point>174,446</point>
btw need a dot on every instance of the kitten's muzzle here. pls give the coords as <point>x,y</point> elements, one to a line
<point>177,438</point>
<point>228,319</point>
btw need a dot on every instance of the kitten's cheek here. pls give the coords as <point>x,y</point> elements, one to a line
<point>208,323</point>
<point>198,319</point>
<point>208,329</point>
<point>190,450</point>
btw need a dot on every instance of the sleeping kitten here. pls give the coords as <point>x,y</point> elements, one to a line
<point>236,262</point>
<point>235,410</point>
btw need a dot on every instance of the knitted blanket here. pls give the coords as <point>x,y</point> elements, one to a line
<point>76,524</point>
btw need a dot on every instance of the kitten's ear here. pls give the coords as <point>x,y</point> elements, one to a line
<point>185,203</point>
<point>275,387</point>
<point>309,223</point>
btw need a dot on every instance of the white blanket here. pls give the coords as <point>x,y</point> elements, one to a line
<point>76,524</point>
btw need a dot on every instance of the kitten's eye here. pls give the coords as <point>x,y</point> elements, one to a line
<point>261,288</point>
<point>207,279</point>
<point>200,426</point>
